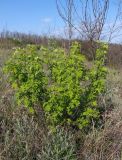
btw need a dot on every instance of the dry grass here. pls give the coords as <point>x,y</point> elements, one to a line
<point>115,85</point>
<point>106,143</point>
<point>21,133</point>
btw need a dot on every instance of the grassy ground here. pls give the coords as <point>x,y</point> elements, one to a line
<point>115,81</point>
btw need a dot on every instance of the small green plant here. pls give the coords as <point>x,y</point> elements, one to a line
<point>61,84</point>
<point>58,145</point>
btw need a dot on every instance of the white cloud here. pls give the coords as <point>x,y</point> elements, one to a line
<point>47,20</point>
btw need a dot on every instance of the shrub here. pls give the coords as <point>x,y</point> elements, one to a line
<point>61,84</point>
<point>58,145</point>
<point>27,76</point>
<point>21,134</point>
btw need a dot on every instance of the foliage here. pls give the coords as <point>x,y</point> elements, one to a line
<point>96,78</point>
<point>58,145</point>
<point>21,134</point>
<point>62,84</point>
<point>65,91</point>
<point>27,76</point>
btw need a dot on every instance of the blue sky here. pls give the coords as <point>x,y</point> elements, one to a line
<point>34,16</point>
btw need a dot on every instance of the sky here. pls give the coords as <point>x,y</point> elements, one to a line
<point>36,16</point>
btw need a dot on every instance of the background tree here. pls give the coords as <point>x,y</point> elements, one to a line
<point>66,12</point>
<point>87,18</point>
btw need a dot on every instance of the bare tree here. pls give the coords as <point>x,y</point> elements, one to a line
<point>86,17</point>
<point>115,27</point>
<point>91,16</point>
<point>92,21</point>
<point>66,12</point>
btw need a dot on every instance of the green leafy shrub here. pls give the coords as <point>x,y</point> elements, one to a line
<point>67,73</point>
<point>62,84</point>
<point>27,76</point>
